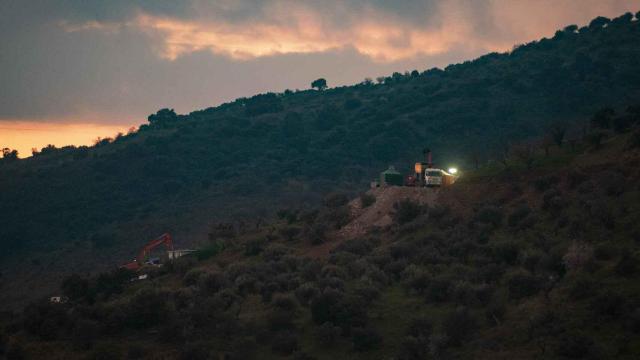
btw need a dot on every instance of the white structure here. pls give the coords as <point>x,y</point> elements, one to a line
<point>174,254</point>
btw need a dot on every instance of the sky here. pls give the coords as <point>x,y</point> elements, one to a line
<point>75,70</point>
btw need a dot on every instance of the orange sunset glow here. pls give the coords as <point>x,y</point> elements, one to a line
<point>24,136</point>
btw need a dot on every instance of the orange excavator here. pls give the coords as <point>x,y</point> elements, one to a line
<point>139,261</point>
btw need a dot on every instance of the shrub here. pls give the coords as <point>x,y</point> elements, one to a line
<point>328,333</point>
<point>518,214</point>
<point>438,290</point>
<point>458,325</point>
<point>523,285</point>
<point>575,177</point>
<point>281,320</point>
<point>634,141</point>
<point>255,246</point>
<point>576,346</point>
<point>192,276</point>
<point>420,327</point>
<point>608,305</point>
<point>75,287</point>
<point>196,351</point>
<point>489,215</point>
<point>285,303</point>
<point>355,246</point>
<point>578,256</point>
<point>147,308</point>
<point>496,310</point>
<point>306,292</point>
<point>594,139</point>
<point>365,339</point>
<point>106,351</point>
<point>405,211</point>
<point>582,287</point>
<point>335,200</point>
<point>85,332</point>
<point>506,251</point>
<point>285,343</point>
<point>543,183</point>
<point>605,251</point>
<point>627,265</point>
<point>367,200</point>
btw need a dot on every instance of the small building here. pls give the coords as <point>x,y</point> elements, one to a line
<point>391,177</point>
<point>174,254</point>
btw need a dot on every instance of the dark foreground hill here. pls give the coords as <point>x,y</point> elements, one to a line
<point>79,208</point>
<point>536,258</point>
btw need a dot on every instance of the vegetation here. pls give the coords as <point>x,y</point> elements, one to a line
<point>544,265</point>
<point>533,255</point>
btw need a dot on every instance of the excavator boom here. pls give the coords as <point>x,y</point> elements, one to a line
<point>139,261</point>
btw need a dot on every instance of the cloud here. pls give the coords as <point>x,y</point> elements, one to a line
<point>285,28</point>
<point>381,30</point>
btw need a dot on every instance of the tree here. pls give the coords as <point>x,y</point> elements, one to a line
<point>319,84</point>
<point>557,133</point>
<point>599,22</point>
<point>602,119</point>
<point>162,117</point>
<point>9,155</point>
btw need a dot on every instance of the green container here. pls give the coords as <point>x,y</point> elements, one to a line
<point>391,177</point>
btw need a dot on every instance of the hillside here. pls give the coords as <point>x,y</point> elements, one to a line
<point>529,260</point>
<point>86,209</point>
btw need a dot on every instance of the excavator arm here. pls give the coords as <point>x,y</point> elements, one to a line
<point>142,255</point>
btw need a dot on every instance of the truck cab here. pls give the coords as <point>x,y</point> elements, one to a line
<point>433,177</point>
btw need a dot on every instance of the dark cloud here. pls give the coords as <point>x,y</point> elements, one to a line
<point>96,60</point>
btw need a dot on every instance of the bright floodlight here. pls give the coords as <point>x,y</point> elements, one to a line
<point>453,170</point>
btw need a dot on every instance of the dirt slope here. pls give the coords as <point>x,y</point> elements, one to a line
<point>379,213</point>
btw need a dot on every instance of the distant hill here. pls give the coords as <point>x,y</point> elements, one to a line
<point>250,157</point>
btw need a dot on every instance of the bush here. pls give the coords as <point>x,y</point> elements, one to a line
<point>405,211</point>
<point>543,183</point>
<point>335,200</point>
<point>582,287</point>
<point>285,343</point>
<point>627,265</point>
<point>328,333</point>
<point>506,251</point>
<point>367,200</point>
<point>279,320</point>
<point>85,332</point>
<point>106,351</point>
<point>489,215</point>
<point>634,141</point>
<point>255,246</point>
<point>147,308</point>
<point>594,139</point>
<point>518,214</point>
<point>458,325</point>
<point>420,327</point>
<point>608,305</point>
<point>365,339</point>
<point>306,292</point>
<point>523,285</point>
<point>576,346</point>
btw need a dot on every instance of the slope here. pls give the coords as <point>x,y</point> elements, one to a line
<point>83,208</point>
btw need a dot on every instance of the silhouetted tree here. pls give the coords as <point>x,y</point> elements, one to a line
<point>9,155</point>
<point>319,84</point>
<point>163,117</point>
<point>558,132</point>
<point>602,118</point>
